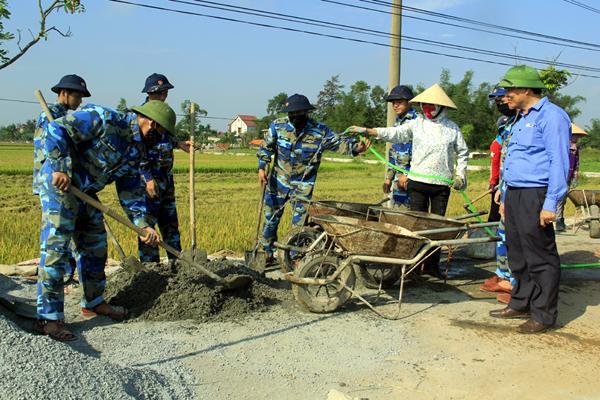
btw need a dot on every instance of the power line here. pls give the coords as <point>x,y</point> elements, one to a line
<point>228,19</point>
<point>361,30</point>
<point>184,115</point>
<point>582,5</point>
<point>446,23</point>
<point>481,23</point>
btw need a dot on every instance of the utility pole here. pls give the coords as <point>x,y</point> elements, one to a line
<point>395,54</point>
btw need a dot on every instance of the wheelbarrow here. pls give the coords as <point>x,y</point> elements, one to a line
<point>588,202</point>
<point>324,281</point>
<point>304,236</point>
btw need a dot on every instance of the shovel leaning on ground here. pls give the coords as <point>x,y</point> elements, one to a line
<point>229,282</point>
<point>254,258</point>
<point>128,262</point>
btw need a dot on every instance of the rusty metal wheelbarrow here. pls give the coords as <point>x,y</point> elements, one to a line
<point>304,236</point>
<point>324,281</point>
<point>588,202</point>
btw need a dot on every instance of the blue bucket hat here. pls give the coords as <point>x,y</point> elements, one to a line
<point>497,92</point>
<point>297,102</point>
<point>72,82</point>
<point>400,92</point>
<point>157,83</point>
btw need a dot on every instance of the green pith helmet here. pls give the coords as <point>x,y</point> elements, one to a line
<point>522,76</point>
<point>159,112</point>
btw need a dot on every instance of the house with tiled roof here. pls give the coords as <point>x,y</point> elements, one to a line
<point>242,124</point>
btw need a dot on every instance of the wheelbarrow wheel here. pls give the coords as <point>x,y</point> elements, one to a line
<point>323,298</point>
<point>372,275</point>
<point>595,222</point>
<point>299,237</point>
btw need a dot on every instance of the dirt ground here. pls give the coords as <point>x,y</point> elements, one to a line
<point>445,346</point>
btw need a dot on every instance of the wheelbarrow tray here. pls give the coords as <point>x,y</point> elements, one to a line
<point>420,221</point>
<point>371,238</point>
<point>585,197</point>
<point>339,208</point>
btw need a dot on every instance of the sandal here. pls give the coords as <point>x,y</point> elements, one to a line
<point>117,313</point>
<point>59,332</point>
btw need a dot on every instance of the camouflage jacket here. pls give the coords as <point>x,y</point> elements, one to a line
<point>57,110</point>
<point>96,146</point>
<point>400,153</point>
<point>297,157</point>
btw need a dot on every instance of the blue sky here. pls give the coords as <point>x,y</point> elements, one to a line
<point>231,69</point>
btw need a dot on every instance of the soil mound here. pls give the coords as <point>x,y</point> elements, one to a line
<point>162,293</point>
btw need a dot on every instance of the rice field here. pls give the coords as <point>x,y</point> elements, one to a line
<point>227,196</point>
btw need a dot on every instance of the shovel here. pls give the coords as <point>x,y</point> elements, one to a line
<point>229,282</point>
<point>128,262</point>
<point>253,258</point>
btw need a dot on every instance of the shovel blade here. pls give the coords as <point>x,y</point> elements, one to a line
<point>256,260</point>
<point>132,264</point>
<point>237,282</point>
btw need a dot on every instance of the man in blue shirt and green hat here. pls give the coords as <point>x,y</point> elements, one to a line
<point>535,172</point>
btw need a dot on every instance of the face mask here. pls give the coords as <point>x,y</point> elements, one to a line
<point>504,109</point>
<point>431,110</point>
<point>299,121</point>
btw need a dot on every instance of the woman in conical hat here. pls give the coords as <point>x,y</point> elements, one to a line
<point>576,134</point>
<point>437,145</point>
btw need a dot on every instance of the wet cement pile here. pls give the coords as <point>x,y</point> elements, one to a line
<point>162,293</point>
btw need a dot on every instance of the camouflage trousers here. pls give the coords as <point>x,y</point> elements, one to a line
<point>64,219</point>
<point>502,269</point>
<point>162,211</point>
<point>275,200</point>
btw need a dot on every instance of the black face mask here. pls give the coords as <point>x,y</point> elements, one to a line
<point>505,110</point>
<point>299,121</point>
<point>151,137</point>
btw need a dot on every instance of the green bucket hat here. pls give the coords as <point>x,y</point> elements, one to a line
<point>522,76</point>
<point>159,112</point>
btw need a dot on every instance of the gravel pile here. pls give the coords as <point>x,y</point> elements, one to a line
<point>161,293</point>
<point>36,367</point>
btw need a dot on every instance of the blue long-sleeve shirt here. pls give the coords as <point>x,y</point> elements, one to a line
<point>538,152</point>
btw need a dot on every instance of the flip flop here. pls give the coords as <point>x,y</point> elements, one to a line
<point>116,313</point>
<point>61,333</point>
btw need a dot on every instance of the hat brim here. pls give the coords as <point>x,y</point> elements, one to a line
<point>76,88</point>
<point>507,84</point>
<point>292,108</point>
<point>395,97</point>
<point>158,88</point>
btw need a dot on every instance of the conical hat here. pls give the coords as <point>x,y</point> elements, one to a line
<point>434,95</point>
<point>575,130</point>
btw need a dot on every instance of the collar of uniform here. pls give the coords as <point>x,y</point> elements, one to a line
<point>410,114</point>
<point>538,105</point>
<point>60,107</point>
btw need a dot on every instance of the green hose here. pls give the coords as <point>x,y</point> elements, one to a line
<point>449,182</point>
<point>580,265</point>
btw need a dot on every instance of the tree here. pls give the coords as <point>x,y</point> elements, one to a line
<point>353,108</point>
<point>328,98</point>
<point>276,104</point>
<point>556,79</point>
<point>377,114</point>
<point>183,126</point>
<point>122,106</point>
<point>68,6</point>
<point>593,135</point>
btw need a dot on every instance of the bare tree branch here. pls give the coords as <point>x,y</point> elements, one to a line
<point>43,32</point>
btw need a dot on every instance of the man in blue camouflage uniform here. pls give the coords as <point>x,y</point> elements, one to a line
<point>157,172</point>
<point>91,148</point>
<point>70,90</point>
<point>297,142</point>
<point>400,153</point>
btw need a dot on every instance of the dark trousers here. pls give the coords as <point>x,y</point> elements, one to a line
<point>429,198</point>
<point>494,214</point>
<point>533,256</point>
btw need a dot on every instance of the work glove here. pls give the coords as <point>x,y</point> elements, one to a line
<point>460,183</point>
<point>356,130</point>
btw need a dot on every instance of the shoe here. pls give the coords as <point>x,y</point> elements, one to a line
<point>490,284</point>
<point>560,225</point>
<point>494,286</point>
<point>532,326</point>
<point>503,298</point>
<point>509,313</point>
